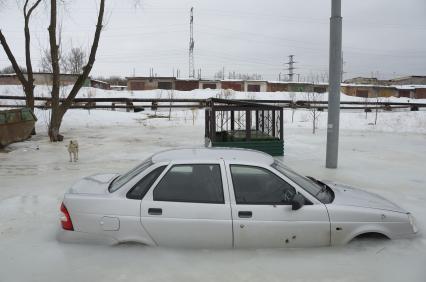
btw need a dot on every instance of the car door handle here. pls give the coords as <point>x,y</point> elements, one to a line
<point>245,214</point>
<point>155,211</point>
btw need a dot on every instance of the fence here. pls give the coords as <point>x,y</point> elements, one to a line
<point>139,104</point>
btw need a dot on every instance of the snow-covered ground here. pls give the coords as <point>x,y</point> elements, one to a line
<point>387,158</point>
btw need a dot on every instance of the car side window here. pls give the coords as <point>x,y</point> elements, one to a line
<point>195,183</point>
<point>259,186</point>
<point>139,190</point>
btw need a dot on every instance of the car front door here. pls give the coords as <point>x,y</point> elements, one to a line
<point>263,215</point>
<point>189,207</point>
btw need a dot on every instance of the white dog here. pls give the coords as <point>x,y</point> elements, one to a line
<point>73,150</point>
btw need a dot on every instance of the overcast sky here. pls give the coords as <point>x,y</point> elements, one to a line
<point>384,37</point>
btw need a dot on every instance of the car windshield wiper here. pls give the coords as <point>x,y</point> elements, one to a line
<point>323,185</point>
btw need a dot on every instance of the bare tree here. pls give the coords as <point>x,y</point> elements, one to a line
<point>46,61</point>
<point>219,74</point>
<point>312,98</point>
<point>74,61</point>
<point>293,104</point>
<point>366,110</point>
<point>27,80</point>
<point>59,109</point>
<point>171,95</point>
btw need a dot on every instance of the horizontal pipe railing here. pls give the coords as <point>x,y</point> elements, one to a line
<point>129,103</point>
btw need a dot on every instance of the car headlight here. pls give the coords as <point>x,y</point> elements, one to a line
<point>413,223</point>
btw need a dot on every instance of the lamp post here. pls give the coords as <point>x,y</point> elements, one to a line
<point>335,72</point>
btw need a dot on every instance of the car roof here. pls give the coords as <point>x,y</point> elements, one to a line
<point>202,154</point>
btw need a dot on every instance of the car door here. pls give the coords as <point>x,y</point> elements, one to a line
<point>263,215</point>
<point>189,207</point>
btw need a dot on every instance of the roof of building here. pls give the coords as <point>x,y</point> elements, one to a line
<point>150,77</point>
<point>42,73</point>
<point>407,77</point>
<point>213,154</point>
<point>99,81</point>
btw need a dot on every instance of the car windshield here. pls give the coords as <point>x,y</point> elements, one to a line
<point>124,178</point>
<point>307,184</point>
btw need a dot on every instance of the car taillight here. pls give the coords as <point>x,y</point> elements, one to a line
<point>66,219</point>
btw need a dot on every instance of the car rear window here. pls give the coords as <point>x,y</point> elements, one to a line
<point>123,179</point>
<point>140,189</point>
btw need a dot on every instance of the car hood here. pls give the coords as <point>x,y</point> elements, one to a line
<point>94,184</point>
<point>349,196</point>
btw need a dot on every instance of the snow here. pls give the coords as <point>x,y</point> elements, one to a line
<point>387,158</point>
<point>44,91</point>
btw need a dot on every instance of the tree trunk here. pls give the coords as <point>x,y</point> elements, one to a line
<point>56,114</point>
<point>55,125</point>
<point>29,100</point>
<point>375,118</point>
<point>59,110</point>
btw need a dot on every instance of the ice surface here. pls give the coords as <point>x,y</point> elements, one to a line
<point>388,159</point>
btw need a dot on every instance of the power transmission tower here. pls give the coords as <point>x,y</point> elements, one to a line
<point>191,44</point>
<point>291,67</point>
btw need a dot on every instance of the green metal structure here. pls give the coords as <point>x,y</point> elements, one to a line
<point>245,125</point>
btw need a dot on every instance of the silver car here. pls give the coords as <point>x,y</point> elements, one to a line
<point>226,198</point>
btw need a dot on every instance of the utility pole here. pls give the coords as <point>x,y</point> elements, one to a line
<point>335,73</point>
<point>191,44</point>
<point>291,67</point>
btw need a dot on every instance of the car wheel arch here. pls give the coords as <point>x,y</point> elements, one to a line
<point>366,232</point>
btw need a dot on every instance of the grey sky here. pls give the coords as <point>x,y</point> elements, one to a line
<point>381,36</point>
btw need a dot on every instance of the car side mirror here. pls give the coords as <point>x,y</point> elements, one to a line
<point>297,202</point>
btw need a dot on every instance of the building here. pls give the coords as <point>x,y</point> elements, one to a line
<point>405,91</point>
<point>300,87</point>
<point>277,87</point>
<point>236,85</point>
<point>365,80</point>
<point>210,84</point>
<point>406,80</point>
<point>41,78</point>
<point>369,91</point>
<point>149,83</point>
<point>409,80</point>
<point>100,84</point>
<point>420,93</point>
<point>255,86</point>
<point>186,84</point>
<point>118,87</point>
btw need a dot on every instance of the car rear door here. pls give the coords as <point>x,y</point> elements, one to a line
<point>263,215</point>
<point>189,207</point>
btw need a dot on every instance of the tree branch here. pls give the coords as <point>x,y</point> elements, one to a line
<point>86,70</point>
<point>27,15</point>
<point>12,60</point>
<point>33,8</point>
<point>54,55</point>
<point>25,7</point>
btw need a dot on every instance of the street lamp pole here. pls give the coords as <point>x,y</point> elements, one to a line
<point>335,72</point>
